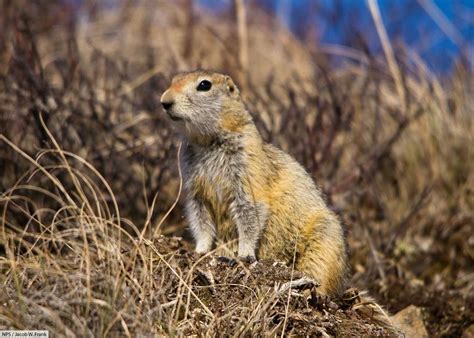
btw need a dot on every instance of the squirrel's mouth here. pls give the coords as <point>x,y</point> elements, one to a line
<point>174,117</point>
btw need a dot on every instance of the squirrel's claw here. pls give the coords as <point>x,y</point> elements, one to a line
<point>248,259</point>
<point>229,261</point>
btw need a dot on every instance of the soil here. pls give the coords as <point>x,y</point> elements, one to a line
<point>227,286</point>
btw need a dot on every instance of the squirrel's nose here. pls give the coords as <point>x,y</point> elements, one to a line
<point>167,105</point>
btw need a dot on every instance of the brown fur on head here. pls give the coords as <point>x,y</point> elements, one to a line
<point>207,103</point>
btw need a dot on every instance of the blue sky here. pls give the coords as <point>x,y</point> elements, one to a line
<point>345,21</point>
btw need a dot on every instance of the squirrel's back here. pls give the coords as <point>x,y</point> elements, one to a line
<point>300,223</point>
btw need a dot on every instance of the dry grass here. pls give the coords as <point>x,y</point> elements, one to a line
<point>73,270</point>
<point>88,168</point>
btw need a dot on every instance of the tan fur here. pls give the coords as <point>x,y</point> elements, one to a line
<point>226,155</point>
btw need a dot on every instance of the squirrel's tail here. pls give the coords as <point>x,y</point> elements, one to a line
<point>366,306</point>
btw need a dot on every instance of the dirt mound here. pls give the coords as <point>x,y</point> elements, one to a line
<point>266,296</point>
<point>185,294</point>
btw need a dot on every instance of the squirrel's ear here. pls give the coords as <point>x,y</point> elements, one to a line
<point>232,89</point>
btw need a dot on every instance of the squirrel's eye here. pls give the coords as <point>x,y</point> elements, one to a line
<point>204,86</point>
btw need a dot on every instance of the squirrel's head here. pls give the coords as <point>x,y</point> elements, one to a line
<point>205,103</point>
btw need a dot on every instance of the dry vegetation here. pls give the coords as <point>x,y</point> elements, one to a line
<point>88,172</point>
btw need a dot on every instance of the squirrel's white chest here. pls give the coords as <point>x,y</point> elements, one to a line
<point>213,176</point>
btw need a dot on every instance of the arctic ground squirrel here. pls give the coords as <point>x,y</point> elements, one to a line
<point>248,193</point>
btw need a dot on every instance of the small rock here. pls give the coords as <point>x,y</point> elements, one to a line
<point>333,305</point>
<point>410,322</point>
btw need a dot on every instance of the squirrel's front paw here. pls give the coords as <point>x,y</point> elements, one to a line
<point>203,248</point>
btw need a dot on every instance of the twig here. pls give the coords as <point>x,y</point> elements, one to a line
<point>189,29</point>
<point>155,234</point>
<point>294,284</point>
<point>387,48</point>
<point>442,21</point>
<point>242,33</point>
<point>375,254</point>
<point>287,305</point>
<point>402,227</point>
